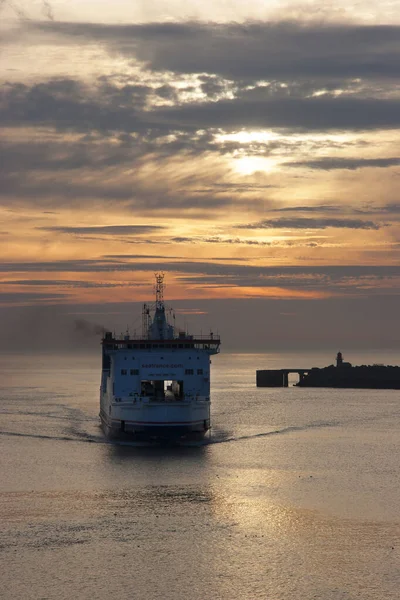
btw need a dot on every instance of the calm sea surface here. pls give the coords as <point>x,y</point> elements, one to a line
<point>294,496</point>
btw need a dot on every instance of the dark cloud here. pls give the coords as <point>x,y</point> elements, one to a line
<point>73,266</point>
<point>200,268</point>
<point>182,240</point>
<point>213,86</point>
<point>32,297</point>
<point>320,208</point>
<point>137,256</point>
<point>313,114</point>
<point>368,209</point>
<point>330,163</point>
<point>141,241</point>
<point>240,241</point>
<point>106,229</point>
<point>244,186</point>
<point>393,207</point>
<point>246,242</point>
<point>168,92</point>
<point>61,155</point>
<point>63,283</point>
<point>303,281</point>
<point>310,223</point>
<point>353,280</point>
<point>219,240</point>
<point>39,174</point>
<point>45,174</point>
<point>256,51</point>
<point>68,105</point>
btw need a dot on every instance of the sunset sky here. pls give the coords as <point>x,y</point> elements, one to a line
<point>250,150</point>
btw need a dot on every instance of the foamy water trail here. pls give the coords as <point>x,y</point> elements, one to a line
<point>217,437</point>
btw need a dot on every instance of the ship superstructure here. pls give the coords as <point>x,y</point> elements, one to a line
<point>157,384</point>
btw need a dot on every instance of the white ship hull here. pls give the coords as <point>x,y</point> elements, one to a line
<point>156,420</point>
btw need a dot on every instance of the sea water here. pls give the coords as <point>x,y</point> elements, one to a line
<point>294,495</point>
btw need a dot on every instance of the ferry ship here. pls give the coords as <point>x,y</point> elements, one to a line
<point>156,385</point>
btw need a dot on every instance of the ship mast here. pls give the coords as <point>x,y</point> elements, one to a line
<point>160,310</point>
<point>159,289</point>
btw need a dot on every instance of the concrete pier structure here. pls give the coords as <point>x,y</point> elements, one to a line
<point>341,375</point>
<point>277,377</point>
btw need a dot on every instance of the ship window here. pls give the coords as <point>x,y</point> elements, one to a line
<point>199,371</point>
<point>134,371</point>
<point>188,371</point>
<point>124,372</point>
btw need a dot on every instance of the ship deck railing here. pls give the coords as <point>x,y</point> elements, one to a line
<point>122,338</point>
<point>133,342</point>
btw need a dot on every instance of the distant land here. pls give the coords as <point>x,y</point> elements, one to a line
<point>341,375</point>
